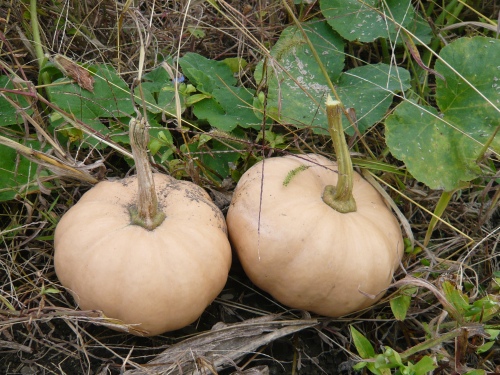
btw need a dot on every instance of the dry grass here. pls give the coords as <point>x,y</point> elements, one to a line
<point>41,332</point>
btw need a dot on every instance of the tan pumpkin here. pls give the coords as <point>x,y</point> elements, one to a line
<point>160,279</point>
<point>302,251</point>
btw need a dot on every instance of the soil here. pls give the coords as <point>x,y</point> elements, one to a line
<point>61,345</point>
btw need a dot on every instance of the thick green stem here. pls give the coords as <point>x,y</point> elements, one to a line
<point>339,197</point>
<point>35,30</point>
<point>37,42</point>
<point>146,213</point>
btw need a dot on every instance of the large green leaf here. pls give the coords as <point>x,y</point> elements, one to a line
<point>297,88</point>
<point>220,158</point>
<point>369,90</point>
<point>228,108</point>
<point>18,175</point>
<point>441,149</point>
<point>159,92</point>
<point>221,103</point>
<point>478,61</point>
<point>429,147</point>
<point>9,115</point>
<point>206,74</point>
<point>367,20</point>
<point>111,96</point>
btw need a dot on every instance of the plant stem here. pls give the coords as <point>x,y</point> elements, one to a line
<point>35,30</point>
<point>432,343</point>
<point>339,197</point>
<point>146,213</point>
<point>37,42</point>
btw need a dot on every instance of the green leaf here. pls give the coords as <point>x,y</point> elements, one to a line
<point>474,113</point>
<point>228,108</point>
<point>9,114</point>
<point>399,306</point>
<point>50,290</point>
<point>425,365</point>
<point>58,124</point>
<point>297,88</point>
<point>17,173</point>
<point>157,78</point>
<point>485,347</point>
<point>150,95</point>
<point>484,309</point>
<point>458,299</point>
<point>476,372</point>
<point>196,32</point>
<point>193,99</point>
<point>111,96</point>
<point>369,90</point>
<point>389,359</point>
<point>367,20</point>
<point>378,371</point>
<point>111,99</point>
<point>159,138</point>
<point>159,92</point>
<point>493,333</point>
<point>363,345</point>
<point>451,141</point>
<point>297,93</point>
<point>417,135</point>
<point>220,158</point>
<point>235,63</point>
<point>206,74</point>
<point>359,366</point>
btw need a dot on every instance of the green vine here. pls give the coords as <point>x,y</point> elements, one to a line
<point>37,41</point>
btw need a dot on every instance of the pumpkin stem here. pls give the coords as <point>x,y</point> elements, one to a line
<point>339,197</point>
<point>146,213</point>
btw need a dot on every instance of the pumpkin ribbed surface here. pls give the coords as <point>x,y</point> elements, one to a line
<point>161,279</point>
<point>300,250</point>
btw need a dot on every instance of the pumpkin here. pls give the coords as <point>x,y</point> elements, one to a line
<point>314,234</point>
<point>157,272</point>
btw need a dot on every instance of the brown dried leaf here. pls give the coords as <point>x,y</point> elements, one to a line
<point>71,69</point>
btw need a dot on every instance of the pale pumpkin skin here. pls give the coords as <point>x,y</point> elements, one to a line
<point>160,280</point>
<point>304,253</point>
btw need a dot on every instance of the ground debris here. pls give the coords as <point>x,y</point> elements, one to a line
<point>222,347</point>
